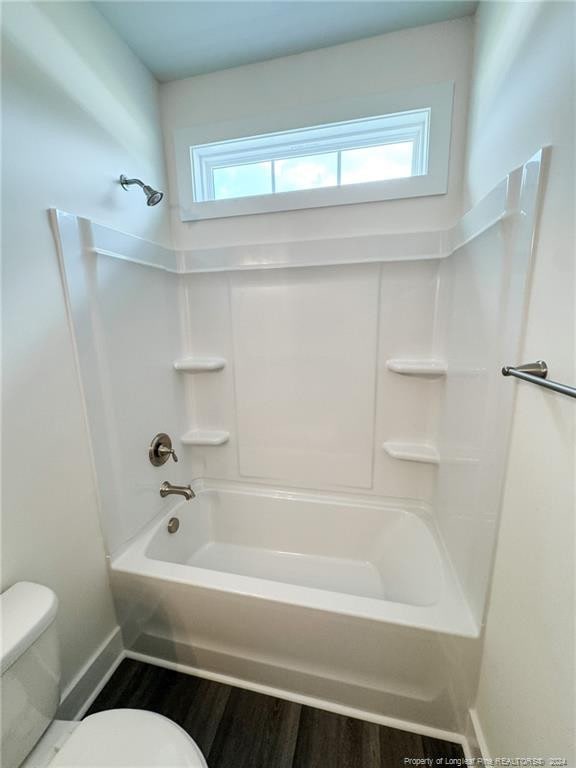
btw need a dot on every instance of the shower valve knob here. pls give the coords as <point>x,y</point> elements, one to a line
<point>161,449</point>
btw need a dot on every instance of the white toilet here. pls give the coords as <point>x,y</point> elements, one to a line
<point>31,738</point>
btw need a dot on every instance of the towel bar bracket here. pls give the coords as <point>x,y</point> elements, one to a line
<point>537,373</point>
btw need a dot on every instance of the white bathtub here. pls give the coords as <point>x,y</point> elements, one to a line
<point>348,601</point>
<point>356,557</point>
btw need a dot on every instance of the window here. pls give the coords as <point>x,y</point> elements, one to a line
<point>357,149</point>
<point>373,149</point>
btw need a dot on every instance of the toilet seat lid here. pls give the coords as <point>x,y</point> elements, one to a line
<point>128,738</point>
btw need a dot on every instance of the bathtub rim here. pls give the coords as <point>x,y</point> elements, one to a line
<point>450,615</point>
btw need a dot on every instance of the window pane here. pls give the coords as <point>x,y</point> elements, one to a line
<point>389,161</point>
<point>242,180</point>
<point>307,172</point>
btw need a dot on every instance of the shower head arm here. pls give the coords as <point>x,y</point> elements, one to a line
<point>129,182</point>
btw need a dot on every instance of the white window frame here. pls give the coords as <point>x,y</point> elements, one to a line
<point>410,126</point>
<point>432,167</point>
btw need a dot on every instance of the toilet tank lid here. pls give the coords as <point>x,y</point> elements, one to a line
<point>26,610</point>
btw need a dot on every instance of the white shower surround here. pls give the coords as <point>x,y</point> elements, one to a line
<point>462,287</point>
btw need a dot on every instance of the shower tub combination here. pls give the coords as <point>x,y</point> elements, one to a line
<point>280,589</point>
<point>347,601</point>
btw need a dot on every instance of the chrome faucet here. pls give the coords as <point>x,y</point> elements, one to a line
<point>167,489</point>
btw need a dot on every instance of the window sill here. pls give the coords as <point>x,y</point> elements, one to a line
<point>376,191</point>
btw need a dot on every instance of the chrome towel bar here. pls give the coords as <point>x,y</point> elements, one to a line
<point>537,373</point>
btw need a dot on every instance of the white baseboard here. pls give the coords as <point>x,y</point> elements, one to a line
<point>310,701</point>
<point>475,737</point>
<point>85,687</point>
<point>81,692</point>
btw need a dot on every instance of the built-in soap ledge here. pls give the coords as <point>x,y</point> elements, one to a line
<point>422,452</point>
<point>205,437</point>
<point>417,366</point>
<point>199,364</point>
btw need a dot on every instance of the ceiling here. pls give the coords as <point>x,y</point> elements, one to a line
<point>185,38</point>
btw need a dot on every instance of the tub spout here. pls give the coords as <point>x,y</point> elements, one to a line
<point>167,489</point>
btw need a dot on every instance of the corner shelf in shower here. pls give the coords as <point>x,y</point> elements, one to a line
<point>417,366</point>
<point>207,437</point>
<point>199,364</point>
<point>425,453</point>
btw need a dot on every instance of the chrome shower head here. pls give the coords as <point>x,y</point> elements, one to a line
<point>153,197</point>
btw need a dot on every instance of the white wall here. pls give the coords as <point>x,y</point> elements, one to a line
<point>523,98</point>
<point>78,110</point>
<point>399,60</point>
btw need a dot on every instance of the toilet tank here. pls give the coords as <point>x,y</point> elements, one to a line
<point>30,668</point>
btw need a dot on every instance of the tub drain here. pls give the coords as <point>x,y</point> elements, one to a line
<point>173,525</point>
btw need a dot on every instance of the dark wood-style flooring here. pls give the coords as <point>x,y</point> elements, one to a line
<point>236,728</point>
